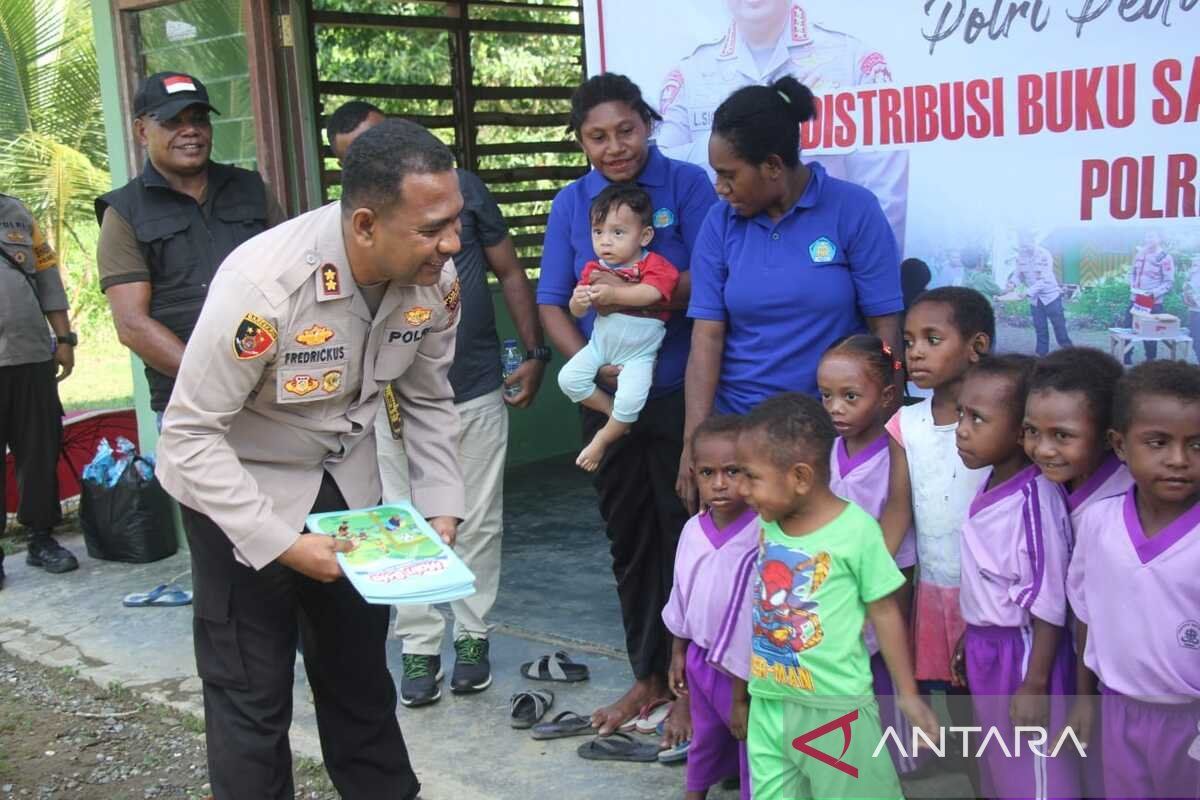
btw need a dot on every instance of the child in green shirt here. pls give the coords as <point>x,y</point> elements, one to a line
<point>823,569</point>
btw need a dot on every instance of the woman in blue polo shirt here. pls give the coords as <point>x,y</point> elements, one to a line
<point>636,481</point>
<point>792,261</point>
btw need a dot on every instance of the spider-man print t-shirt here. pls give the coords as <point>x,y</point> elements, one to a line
<point>810,603</point>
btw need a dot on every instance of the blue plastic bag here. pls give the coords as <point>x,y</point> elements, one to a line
<point>107,466</point>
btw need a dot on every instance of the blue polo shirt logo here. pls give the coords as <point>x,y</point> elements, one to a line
<point>664,218</point>
<point>822,250</point>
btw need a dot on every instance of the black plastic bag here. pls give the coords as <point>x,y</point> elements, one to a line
<point>130,521</point>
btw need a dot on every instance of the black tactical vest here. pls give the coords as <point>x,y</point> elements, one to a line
<point>183,248</point>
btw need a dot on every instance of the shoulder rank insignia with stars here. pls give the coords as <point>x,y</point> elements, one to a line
<point>331,281</point>
<point>254,337</point>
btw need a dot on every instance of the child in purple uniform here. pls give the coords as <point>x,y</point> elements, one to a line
<point>1015,655</point>
<point>708,611</point>
<point>857,383</point>
<point>1135,587</point>
<point>1067,418</point>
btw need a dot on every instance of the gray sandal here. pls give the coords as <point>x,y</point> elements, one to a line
<point>527,708</point>
<point>558,668</point>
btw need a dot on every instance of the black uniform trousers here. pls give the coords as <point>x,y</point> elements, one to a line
<point>245,627</point>
<point>31,427</point>
<point>644,517</point>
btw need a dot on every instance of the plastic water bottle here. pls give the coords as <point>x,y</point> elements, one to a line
<point>510,359</point>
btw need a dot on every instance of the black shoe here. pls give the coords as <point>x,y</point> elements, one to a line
<point>48,554</point>
<point>1,569</point>
<point>420,684</point>
<point>472,670</point>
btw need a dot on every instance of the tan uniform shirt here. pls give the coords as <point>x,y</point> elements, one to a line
<point>30,287</point>
<point>283,376</point>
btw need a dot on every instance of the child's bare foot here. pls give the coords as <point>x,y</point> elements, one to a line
<point>608,719</point>
<point>677,728</point>
<point>591,456</point>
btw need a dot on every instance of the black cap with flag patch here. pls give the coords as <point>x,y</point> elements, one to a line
<point>164,94</point>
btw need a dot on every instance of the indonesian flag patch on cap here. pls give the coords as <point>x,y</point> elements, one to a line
<point>178,83</point>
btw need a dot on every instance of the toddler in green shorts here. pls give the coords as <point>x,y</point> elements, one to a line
<point>823,570</point>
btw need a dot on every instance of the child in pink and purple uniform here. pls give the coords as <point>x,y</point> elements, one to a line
<point>708,611</point>
<point>1136,588</point>
<point>1067,417</point>
<point>1016,542</point>
<point>857,383</point>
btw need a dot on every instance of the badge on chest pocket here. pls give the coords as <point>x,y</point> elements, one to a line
<point>308,385</point>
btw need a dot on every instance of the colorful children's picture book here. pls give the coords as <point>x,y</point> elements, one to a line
<point>398,558</point>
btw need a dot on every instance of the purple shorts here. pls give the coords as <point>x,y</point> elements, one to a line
<point>1150,750</point>
<point>714,754</point>
<point>997,660</point>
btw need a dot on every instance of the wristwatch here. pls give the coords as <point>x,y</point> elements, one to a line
<point>70,337</point>
<point>541,353</point>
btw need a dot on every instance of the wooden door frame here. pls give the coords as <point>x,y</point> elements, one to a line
<point>261,40</point>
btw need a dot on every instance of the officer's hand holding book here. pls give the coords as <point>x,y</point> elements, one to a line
<point>316,557</point>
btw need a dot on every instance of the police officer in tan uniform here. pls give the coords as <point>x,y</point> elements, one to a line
<point>272,418</point>
<point>31,295</point>
<point>766,40</point>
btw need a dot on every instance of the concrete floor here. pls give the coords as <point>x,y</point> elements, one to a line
<point>557,592</point>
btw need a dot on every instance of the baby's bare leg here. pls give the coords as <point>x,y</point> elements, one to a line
<point>591,456</point>
<point>599,401</point>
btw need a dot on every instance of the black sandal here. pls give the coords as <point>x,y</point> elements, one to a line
<point>558,668</point>
<point>567,723</point>
<point>527,708</point>
<point>618,747</point>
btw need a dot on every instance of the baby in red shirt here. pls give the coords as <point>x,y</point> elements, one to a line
<point>634,280</point>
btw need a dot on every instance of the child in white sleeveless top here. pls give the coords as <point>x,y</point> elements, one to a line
<point>946,331</point>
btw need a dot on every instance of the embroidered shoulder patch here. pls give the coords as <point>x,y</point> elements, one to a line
<point>254,336</point>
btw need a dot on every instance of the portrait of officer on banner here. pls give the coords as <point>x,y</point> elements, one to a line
<point>765,40</point>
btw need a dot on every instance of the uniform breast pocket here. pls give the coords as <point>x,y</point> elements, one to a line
<point>398,351</point>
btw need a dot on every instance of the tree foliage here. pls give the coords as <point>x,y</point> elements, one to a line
<point>52,147</point>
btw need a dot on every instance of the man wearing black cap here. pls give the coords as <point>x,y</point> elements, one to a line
<point>163,234</point>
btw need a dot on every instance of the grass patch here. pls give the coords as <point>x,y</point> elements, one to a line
<point>103,377</point>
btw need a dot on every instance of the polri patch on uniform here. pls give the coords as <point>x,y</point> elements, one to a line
<point>822,251</point>
<point>418,315</point>
<point>664,218</point>
<point>15,236</point>
<point>314,335</point>
<point>254,337</point>
<point>331,280</point>
<point>301,385</point>
<point>331,381</point>
<point>452,297</point>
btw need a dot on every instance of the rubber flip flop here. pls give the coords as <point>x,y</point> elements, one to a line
<point>674,755</point>
<point>640,723</point>
<point>618,747</point>
<point>558,668</point>
<point>567,723</point>
<point>161,595</point>
<point>528,708</point>
<point>649,721</point>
